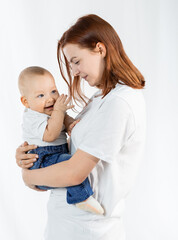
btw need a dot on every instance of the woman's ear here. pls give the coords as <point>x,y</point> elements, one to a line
<point>24,101</point>
<point>100,47</point>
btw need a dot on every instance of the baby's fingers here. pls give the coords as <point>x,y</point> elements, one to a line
<point>74,123</point>
<point>67,100</point>
<point>70,106</point>
<point>62,98</point>
<point>69,132</point>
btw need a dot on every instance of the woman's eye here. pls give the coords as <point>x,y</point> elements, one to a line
<point>40,96</point>
<point>77,62</point>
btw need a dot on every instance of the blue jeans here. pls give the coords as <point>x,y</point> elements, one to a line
<point>49,155</point>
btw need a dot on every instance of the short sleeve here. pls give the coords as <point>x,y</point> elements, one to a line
<point>40,127</point>
<point>109,130</point>
<point>34,124</point>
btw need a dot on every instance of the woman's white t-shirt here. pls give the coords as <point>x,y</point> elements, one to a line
<point>112,129</point>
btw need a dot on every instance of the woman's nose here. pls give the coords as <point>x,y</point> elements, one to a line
<point>75,72</point>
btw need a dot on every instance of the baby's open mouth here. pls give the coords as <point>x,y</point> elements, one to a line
<point>49,107</point>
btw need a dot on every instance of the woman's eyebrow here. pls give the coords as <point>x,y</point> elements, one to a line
<point>72,59</point>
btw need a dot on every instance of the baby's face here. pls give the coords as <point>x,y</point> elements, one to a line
<point>42,94</point>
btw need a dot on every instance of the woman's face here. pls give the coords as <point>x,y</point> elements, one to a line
<point>85,63</point>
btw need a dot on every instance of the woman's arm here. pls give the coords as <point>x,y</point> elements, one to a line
<point>68,173</point>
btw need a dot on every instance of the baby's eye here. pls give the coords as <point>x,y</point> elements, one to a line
<point>40,96</point>
<point>54,91</point>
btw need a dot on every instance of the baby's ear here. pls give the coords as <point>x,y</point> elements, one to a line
<point>24,101</point>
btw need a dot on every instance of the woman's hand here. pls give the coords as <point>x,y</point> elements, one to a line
<point>71,126</point>
<point>23,159</point>
<point>25,177</point>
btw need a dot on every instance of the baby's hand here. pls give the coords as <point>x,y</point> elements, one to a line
<point>71,126</point>
<point>61,104</point>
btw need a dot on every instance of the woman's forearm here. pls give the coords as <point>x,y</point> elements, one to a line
<point>57,175</point>
<point>68,173</point>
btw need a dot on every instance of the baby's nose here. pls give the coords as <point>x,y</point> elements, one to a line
<point>50,99</point>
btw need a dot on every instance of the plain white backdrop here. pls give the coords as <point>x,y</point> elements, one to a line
<point>29,31</point>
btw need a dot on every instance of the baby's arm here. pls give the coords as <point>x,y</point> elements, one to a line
<point>56,120</point>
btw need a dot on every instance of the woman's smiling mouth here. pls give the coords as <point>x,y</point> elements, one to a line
<point>85,77</point>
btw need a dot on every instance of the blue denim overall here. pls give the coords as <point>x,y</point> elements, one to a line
<point>49,155</point>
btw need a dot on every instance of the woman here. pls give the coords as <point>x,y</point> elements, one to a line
<point>107,144</point>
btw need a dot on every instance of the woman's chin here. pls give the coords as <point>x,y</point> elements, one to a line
<point>91,83</point>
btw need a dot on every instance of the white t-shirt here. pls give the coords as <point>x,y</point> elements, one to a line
<point>33,127</point>
<point>113,130</point>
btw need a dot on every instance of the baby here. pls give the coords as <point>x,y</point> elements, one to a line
<point>43,124</point>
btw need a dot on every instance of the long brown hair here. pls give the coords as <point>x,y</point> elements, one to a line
<point>87,32</point>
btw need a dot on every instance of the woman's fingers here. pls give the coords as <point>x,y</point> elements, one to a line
<point>27,156</point>
<point>27,148</point>
<point>24,144</point>
<point>24,165</point>
<point>24,160</point>
<point>23,149</point>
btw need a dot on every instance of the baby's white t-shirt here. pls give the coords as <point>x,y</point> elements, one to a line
<point>33,127</point>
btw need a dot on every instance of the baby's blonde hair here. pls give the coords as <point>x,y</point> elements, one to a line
<point>27,74</point>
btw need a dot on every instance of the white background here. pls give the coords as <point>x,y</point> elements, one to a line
<point>149,31</point>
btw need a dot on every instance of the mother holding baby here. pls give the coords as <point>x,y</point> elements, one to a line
<point>108,142</point>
